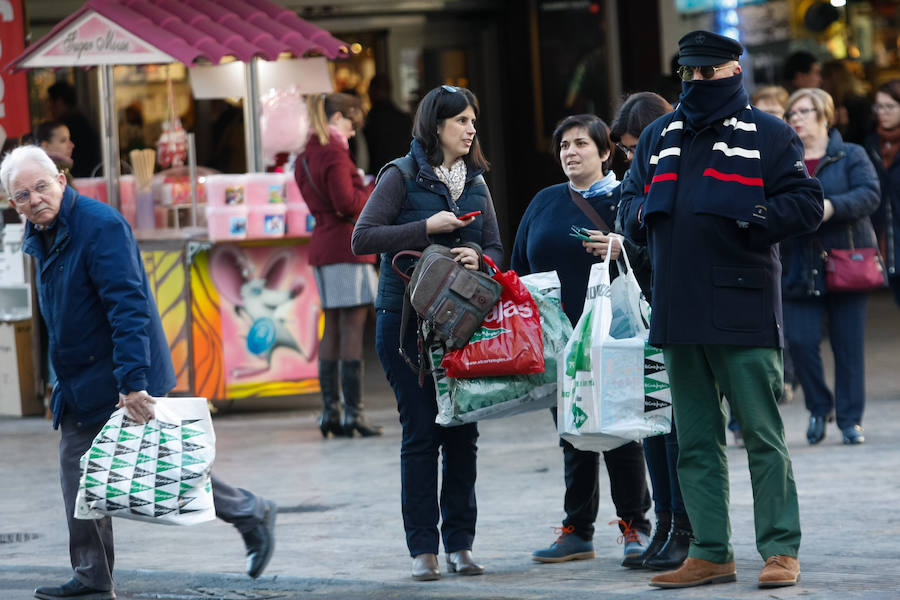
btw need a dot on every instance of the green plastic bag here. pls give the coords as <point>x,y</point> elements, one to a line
<point>469,400</point>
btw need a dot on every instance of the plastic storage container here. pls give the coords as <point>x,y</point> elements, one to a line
<point>225,190</point>
<point>227,222</point>
<point>127,191</point>
<point>264,188</point>
<point>266,220</point>
<point>92,187</point>
<point>299,222</point>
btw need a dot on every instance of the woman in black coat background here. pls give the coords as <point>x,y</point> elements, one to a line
<point>851,195</point>
<point>882,147</point>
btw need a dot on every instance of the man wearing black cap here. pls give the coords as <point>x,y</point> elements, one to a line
<point>713,188</point>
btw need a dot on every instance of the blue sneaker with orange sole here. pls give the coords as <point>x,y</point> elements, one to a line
<point>568,546</point>
<point>635,541</point>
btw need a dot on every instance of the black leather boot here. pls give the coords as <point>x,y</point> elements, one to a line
<point>660,537</point>
<point>330,421</point>
<point>673,554</point>
<point>354,418</point>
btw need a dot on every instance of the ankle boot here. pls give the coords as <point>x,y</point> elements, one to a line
<point>674,553</point>
<point>354,418</point>
<point>660,537</point>
<point>330,421</point>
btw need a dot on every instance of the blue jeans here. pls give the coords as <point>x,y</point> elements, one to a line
<point>422,440</point>
<point>846,321</point>
<point>661,454</point>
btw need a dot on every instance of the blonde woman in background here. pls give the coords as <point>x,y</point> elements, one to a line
<point>335,192</point>
<point>770,98</point>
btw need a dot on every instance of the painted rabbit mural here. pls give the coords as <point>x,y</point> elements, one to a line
<point>271,308</point>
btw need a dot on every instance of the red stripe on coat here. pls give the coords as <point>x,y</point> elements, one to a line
<point>755,181</point>
<point>661,177</point>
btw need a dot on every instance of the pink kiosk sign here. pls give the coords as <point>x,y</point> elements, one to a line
<point>95,40</point>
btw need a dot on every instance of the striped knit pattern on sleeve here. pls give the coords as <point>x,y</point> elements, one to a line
<point>731,183</point>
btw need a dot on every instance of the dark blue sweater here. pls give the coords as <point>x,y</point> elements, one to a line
<point>543,242</point>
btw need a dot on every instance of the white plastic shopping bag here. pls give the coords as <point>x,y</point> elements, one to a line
<point>156,472</point>
<point>612,387</point>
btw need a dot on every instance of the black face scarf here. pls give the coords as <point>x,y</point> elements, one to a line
<point>725,173</point>
<point>704,101</point>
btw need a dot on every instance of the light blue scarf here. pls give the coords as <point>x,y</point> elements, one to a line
<point>599,188</point>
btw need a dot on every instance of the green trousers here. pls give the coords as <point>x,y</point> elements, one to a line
<point>750,378</point>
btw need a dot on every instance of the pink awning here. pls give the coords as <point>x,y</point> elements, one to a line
<point>206,31</point>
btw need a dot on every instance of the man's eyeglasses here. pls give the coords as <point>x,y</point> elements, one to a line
<point>625,149</point>
<point>706,71</point>
<point>21,197</point>
<point>800,112</point>
<point>450,88</point>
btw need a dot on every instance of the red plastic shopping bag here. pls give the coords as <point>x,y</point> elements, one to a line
<point>509,339</point>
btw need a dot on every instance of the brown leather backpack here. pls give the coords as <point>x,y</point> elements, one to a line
<point>450,300</point>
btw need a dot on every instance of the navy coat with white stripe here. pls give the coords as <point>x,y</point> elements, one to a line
<point>715,280</point>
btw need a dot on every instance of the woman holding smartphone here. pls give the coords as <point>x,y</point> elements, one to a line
<point>434,195</point>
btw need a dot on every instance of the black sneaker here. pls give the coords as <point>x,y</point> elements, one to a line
<point>73,589</point>
<point>853,435</point>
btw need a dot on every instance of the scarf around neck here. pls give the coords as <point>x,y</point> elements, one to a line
<point>454,177</point>
<point>599,188</point>
<point>731,183</point>
<point>706,101</point>
<point>337,134</point>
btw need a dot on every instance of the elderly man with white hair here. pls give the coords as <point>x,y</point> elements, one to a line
<point>109,350</point>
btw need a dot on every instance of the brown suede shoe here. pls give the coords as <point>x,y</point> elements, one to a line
<point>779,571</point>
<point>696,571</point>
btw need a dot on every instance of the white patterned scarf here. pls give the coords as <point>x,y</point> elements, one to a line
<point>454,177</point>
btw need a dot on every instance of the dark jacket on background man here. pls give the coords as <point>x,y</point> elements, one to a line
<point>850,183</point>
<point>887,218</point>
<point>388,131</point>
<point>105,334</point>
<point>714,281</point>
<point>86,154</point>
<point>335,196</point>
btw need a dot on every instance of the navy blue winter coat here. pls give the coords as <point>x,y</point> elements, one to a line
<point>713,281</point>
<point>850,182</point>
<point>105,332</point>
<point>887,218</point>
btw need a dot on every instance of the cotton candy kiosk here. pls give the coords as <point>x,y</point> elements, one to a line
<point>238,301</point>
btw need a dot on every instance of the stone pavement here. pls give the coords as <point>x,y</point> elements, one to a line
<point>340,535</point>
